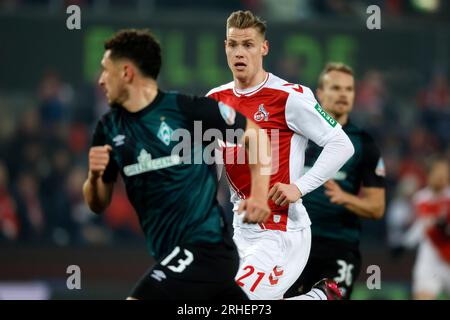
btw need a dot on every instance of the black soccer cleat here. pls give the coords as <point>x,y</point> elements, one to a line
<point>330,288</point>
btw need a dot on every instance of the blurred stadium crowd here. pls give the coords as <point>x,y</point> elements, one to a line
<point>43,147</point>
<point>44,153</point>
<point>272,9</point>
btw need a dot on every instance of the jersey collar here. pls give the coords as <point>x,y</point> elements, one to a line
<point>252,90</point>
<point>148,108</point>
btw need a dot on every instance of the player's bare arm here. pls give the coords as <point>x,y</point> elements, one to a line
<point>370,204</point>
<point>256,206</point>
<point>97,193</point>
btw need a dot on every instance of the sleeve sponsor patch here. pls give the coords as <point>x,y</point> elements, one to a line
<point>380,169</point>
<point>228,114</point>
<point>325,115</point>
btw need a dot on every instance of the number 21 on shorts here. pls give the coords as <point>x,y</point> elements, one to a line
<point>250,270</point>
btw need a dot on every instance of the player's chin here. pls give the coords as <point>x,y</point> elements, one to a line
<point>114,104</point>
<point>240,71</point>
<point>241,76</point>
<point>342,108</point>
<point>108,97</point>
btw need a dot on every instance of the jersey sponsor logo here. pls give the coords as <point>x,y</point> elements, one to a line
<point>380,169</point>
<point>119,140</point>
<point>146,163</point>
<point>325,115</point>
<point>165,133</point>
<point>275,275</point>
<point>228,114</point>
<point>340,175</point>
<point>261,114</point>
<point>158,275</point>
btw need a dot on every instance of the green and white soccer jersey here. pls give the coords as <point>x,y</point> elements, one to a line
<point>364,168</point>
<point>174,199</point>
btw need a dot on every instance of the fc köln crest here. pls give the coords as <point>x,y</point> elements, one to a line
<point>261,114</point>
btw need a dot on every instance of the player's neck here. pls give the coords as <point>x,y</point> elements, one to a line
<point>141,95</point>
<point>247,83</point>
<point>342,120</point>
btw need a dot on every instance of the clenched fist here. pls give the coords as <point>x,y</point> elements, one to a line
<point>283,194</point>
<point>256,210</point>
<point>98,160</point>
<point>335,193</point>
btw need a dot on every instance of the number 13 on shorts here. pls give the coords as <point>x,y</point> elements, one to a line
<point>181,263</point>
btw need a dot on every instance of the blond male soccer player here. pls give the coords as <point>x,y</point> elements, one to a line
<point>273,254</point>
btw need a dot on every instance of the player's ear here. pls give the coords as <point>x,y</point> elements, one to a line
<point>265,48</point>
<point>128,72</point>
<point>319,94</point>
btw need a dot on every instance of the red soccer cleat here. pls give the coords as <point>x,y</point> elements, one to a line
<point>330,288</point>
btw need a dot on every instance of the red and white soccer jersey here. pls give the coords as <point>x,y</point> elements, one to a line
<point>430,205</point>
<point>274,254</point>
<point>291,115</point>
<point>432,268</point>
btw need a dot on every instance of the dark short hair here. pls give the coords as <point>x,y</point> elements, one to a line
<point>139,46</point>
<point>334,66</point>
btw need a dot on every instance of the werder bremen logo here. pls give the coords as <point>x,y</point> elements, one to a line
<point>325,115</point>
<point>146,163</point>
<point>165,133</point>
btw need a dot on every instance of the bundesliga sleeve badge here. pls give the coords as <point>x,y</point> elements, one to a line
<point>380,170</point>
<point>228,113</point>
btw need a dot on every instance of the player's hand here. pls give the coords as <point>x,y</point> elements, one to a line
<point>283,194</point>
<point>335,193</point>
<point>98,160</point>
<point>256,210</point>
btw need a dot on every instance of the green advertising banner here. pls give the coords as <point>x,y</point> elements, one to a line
<point>193,51</point>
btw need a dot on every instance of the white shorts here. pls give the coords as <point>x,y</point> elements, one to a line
<point>431,273</point>
<point>270,260</point>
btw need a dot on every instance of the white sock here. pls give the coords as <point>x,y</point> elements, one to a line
<point>314,294</point>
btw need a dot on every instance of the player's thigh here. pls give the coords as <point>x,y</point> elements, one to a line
<point>153,285</point>
<point>269,265</point>
<point>244,240</point>
<point>445,271</point>
<point>190,272</point>
<point>259,254</point>
<point>340,264</point>
<point>343,269</point>
<point>298,247</point>
<point>310,275</point>
<point>426,278</point>
<point>179,289</point>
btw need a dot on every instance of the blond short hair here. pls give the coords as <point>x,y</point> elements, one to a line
<point>334,66</point>
<point>246,19</point>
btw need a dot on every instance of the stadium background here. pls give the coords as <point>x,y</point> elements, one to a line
<point>49,103</point>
